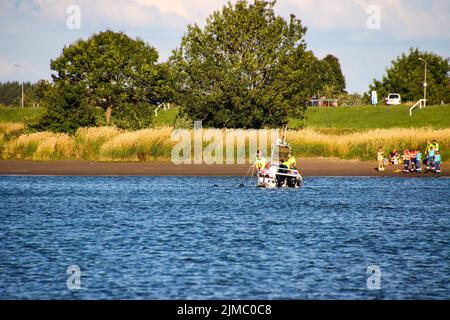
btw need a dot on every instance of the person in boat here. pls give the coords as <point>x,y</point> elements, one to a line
<point>260,162</point>
<point>284,167</point>
<point>290,162</point>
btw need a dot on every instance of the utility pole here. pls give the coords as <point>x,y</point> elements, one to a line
<point>21,77</point>
<point>424,82</point>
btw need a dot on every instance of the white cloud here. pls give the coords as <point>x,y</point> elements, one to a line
<point>112,13</point>
<point>403,19</point>
<point>192,10</point>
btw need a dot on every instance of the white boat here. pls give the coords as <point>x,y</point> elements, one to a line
<point>275,175</point>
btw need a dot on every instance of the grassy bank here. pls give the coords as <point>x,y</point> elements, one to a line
<point>337,120</point>
<point>112,144</point>
<point>368,117</point>
<point>8,114</point>
<point>327,120</point>
<point>343,132</point>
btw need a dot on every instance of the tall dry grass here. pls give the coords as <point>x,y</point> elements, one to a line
<point>11,128</point>
<point>88,141</point>
<point>112,144</point>
<point>142,145</point>
<point>40,146</point>
<point>364,145</point>
<point>2,144</point>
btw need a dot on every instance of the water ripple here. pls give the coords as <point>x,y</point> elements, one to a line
<point>183,238</point>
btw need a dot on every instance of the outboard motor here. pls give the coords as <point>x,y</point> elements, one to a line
<point>281,178</point>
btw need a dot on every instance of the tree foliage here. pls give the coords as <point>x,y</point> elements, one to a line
<point>335,77</point>
<point>11,92</point>
<point>112,71</point>
<point>406,75</point>
<point>65,112</point>
<point>246,68</point>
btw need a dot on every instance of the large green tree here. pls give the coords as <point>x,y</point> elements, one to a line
<point>406,75</point>
<point>113,71</point>
<point>246,68</point>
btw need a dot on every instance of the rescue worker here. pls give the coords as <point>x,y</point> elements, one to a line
<point>435,146</point>
<point>283,169</point>
<point>427,150</point>
<point>429,146</point>
<point>290,162</point>
<point>260,162</point>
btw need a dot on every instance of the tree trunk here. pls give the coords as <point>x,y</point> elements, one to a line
<point>108,115</point>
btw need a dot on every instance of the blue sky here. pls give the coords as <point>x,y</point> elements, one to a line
<point>32,32</point>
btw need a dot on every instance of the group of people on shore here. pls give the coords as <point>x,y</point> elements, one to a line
<point>412,159</point>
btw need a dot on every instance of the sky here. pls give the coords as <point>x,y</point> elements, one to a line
<point>366,35</point>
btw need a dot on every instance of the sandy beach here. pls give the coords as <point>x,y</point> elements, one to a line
<point>308,167</point>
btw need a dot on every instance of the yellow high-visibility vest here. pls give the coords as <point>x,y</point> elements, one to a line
<point>260,163</point>
<point>290,162</point>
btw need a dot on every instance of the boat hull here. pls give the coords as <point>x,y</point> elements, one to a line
<point>272,180</point>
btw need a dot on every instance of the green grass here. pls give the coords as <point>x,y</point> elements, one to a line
<point>165,118</point>
<point>330,120</point>
<point>18,114</point>
<point>342,120</point>
<point>368,117</point>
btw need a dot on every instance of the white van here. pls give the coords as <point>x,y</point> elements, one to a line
<point>393,99</point>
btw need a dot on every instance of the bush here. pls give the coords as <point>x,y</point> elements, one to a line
<point>133,117</point>
<point>66,112</point>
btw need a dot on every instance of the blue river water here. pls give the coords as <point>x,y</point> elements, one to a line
<point>205,238</point>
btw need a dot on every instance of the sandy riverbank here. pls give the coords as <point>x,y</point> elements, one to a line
<point>309,167</point>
